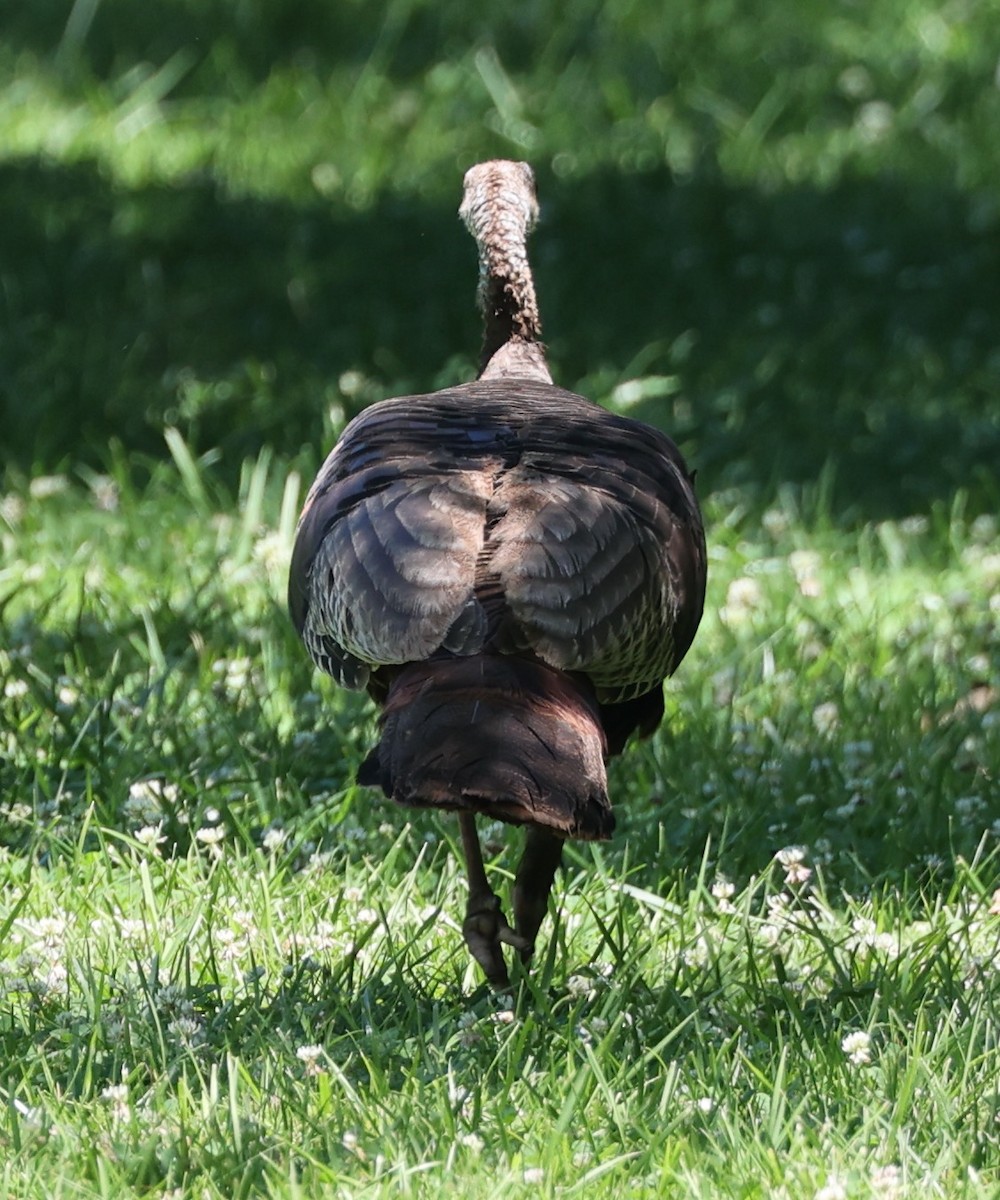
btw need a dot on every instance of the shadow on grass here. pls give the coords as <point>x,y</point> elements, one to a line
<point>849,328</point>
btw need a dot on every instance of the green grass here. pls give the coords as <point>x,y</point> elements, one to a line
<point>197,896</point>
<point>225,971</point>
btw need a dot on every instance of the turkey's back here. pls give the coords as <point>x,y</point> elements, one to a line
<point>505,519</point>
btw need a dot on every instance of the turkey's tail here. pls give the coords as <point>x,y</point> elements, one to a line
<point>512,739</point>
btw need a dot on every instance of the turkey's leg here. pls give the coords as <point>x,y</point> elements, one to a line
<point>541,858</point>
<point>485,926</point>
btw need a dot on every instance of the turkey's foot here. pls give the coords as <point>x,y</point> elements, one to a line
<point>486,932</point>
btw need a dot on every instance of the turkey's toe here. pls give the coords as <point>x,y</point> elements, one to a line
<point>485,930</point>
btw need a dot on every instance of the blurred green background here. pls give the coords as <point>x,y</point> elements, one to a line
<point>777,225</point>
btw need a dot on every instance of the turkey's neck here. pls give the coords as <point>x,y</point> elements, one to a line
<point>507,298</point>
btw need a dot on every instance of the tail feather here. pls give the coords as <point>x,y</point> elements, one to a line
<point>506,737</point>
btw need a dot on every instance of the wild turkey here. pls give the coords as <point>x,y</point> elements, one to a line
<point>510,571</point>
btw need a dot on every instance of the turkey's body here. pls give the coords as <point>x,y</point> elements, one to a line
<point>488,540</point>
<point>511,571</point>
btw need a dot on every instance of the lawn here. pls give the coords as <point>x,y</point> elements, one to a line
<point>225,970</point>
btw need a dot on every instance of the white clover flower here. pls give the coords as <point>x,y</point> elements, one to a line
<point>857,1047</point>
<point>744,597</point>
<point>310,1057</point>
<point>17,813</point>
<point>150,836</point>
<point>984,527</point>
<point>792,859</point>
<point>705,1104</point>
<point>187,1030</point>
<point>231,945</point>
<point>864,932</point>
<point>117,1097</point>
<point>49,932</point>
<point>130,929</point>
<point>697,954</point>
<point>872,123</point>
<point>210,835</point>
<point>15,689</point>
<point>12,509</point>
<point>775,521</point>
<point>472,1141</point>
<point>885,943</point>
<point>805,566</point>
<point>826,717</point>
<point>534,1175</point>
<point>105,493</point>
<point>274,839</point>
<point>744,592</point>
<point>722,889</point>
<point>323,938</point>
<point>770,933</point>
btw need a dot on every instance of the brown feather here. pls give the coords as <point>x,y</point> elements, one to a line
<point>505,737</point>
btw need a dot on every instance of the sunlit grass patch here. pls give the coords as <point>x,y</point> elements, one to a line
<point>224,963</point>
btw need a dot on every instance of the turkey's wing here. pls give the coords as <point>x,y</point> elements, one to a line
<point>585,581</point>
<point>392,568</point>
